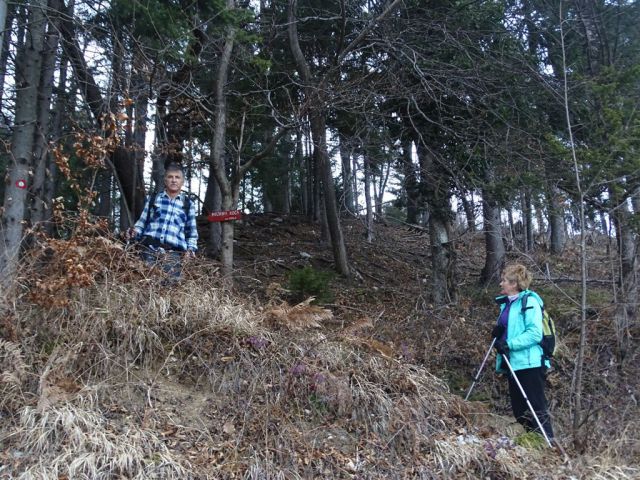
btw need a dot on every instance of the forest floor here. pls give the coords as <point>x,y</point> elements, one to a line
<point>120,376</point>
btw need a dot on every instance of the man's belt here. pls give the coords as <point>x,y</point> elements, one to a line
<point>155,244</point>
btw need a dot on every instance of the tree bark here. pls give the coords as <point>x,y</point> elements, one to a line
<point>141,110</point>
<point>317,115</point>
<point>385,170</point>
<point>627,307</point>
<point>367,196</point>
<point>527,220</point>
<point>213,203</point>
<point>437,196</point>
<point>442,261</point>
<point>4,54</point>
<point>494,246</point>
<point>40,203</point>
<point>410,182</point>
<point>469,211</point>
<point>556,221</point>
<point>28,75</point>
<point>217,163</point>
<point>286,194</point>
<point>305,174</point>
<point>347,176</point>
<point>60,114</point>
<point>3,20</point>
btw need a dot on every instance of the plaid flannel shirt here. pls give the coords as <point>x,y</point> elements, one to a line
<point>168,223</point>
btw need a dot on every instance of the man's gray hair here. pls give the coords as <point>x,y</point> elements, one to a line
<point>174,167</point>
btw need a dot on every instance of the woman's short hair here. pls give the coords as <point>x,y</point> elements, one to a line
<point>519,274</point>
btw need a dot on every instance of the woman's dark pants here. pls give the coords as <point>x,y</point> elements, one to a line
<point>532,381</point>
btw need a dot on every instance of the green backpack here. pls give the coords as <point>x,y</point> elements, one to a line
<point>548,342</point>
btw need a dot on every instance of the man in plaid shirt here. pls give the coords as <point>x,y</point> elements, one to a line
<point>166,231</point>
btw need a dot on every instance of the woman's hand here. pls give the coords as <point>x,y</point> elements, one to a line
<point>497,332</point>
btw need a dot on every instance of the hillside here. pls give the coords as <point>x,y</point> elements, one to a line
<point>108,373</point>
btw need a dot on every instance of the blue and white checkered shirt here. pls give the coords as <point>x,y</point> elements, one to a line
<point>168,223</point>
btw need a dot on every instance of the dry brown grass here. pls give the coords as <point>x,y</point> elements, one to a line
<point>74,440</point>
<point>12,374</point>
<point>131,379</point>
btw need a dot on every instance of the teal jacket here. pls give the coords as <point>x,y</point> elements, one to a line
<point>524,332</point>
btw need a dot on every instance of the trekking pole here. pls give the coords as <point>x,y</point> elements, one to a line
<point>513,374</point>
<point>475,379</point>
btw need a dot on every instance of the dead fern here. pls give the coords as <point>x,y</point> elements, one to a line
<point>302,316</point>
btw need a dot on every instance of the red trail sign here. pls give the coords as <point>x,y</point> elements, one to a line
<point>224,216</point>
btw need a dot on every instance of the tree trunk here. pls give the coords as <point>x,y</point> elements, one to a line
<point>527,221</point>
<point>104,190</point>
<point>627,306</point>
<point>316,213</point>
<point>5,43</point>
<point>494,246</point>
<point>347,180</point>
<point>410,182</point>
<point>3,21</point>
<point>635,201</point>
<point>286,194</point>
<point>318,132</point>
<point>437,195</point>
<point>367,197</point>
<point>469,211</point>
<point>267,204</point>
<point>41,204</point>
<point>593,40</point>
<point>28,74</point>
<point>141,110</point>
<point>217,164</point>
<point>213,203</point>
<point>556,221</point>
<point>385,170</point>
<point>60,113</point>
<point>442,261</point>
<point>539,212</point>
<point>300,161</point>
<point>159,159</point>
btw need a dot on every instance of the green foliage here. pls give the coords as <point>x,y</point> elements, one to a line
<point>565,304</point>
<point>531,440</point>
<point>457,380</point>
<point>391,212</point>
<point>318,404</point>
<point>308,281</point>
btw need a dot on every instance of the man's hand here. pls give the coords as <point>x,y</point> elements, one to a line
<point>129,234</point>
<point>189,254</point>
<point>497,332</point>
<point>502,347</point>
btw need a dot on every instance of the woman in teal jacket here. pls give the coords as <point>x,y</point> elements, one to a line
<point>518,333</point>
